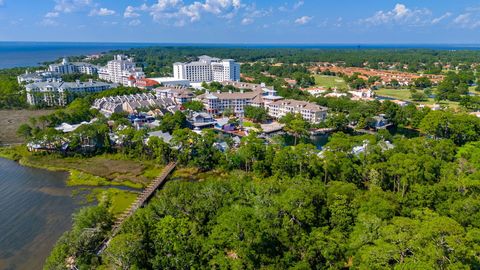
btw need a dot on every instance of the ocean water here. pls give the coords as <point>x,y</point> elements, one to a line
<point>24,54</point>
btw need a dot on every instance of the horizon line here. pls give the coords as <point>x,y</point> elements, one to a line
<point>245,43</point>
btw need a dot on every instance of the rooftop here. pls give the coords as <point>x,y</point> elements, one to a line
<point>300,104</point>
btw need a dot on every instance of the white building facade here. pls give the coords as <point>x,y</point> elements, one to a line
<point>207,69</point>
<point>57,93</point>
<point>121,70</point>
<point>217,103</point>
<point>71,68</point>
<point>310,112</point>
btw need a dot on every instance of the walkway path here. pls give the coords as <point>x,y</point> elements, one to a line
<point>139,202</point>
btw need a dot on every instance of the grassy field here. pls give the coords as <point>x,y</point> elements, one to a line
<point>120,199</point>
<point>330,82</point>
<point>404,94</point>
<point>78,178</point>
<point>10,120</point>
<point>104,170</point>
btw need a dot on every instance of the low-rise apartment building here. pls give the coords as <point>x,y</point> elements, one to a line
<point>71,68</point>
<point>219,102</point>
<point>180,95</point>
<point>59,93</point>
<point>38,76</point>
<point>311,112</point>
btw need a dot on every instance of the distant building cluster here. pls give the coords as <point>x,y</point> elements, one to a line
<point>46,87</point>
<point>386,76</point>
<point>260,96</point>
<point>38,76</point>
<point>207,69</point>
<point>55,72</point>
<point>58,92</point>
<point>121,70</point>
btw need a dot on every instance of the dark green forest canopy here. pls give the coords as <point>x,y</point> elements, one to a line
<point>158,60</point>
<point>415,206</point>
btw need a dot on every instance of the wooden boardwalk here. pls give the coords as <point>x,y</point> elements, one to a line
<point>139,202</point>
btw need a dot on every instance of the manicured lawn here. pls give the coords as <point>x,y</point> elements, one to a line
<point>330,82</point>
<point>404,94</point>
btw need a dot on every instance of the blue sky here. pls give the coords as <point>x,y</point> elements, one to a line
<point>242,21</point>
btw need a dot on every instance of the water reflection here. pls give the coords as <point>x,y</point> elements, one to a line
<point>35,209</point>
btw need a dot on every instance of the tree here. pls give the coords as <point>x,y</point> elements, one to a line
<point>418,96</point>
<point>205,156</point>
<point>124,251</point>
<point>394,83</point>
<point>175,244</point>
<point>257,114</point>
<point>460,128</point>
<point>161,150</point>
<point>295,125</point>
<point>194,105</point>
<point>171,122</point>
<point>25,131</point>
<point>422,82</point>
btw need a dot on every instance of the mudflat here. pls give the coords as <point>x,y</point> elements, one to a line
<point>10,120</point>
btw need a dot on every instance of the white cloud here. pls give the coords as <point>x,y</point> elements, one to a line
<point>286,7</point>
<point>252,13</point>
<point>68,6</point>
<point>176,11</point>
<point>52,14</point>
<point>247,21</point>
<point>298,5</point>
<point>101,12</point>
<point>303,20</point>
<point>441,18</point>
<point>49,22</point>
<point>400,14</point>
<point>463,19</point>
<point>135,22</point>
<point>130,12</point>
<point>469,20</point>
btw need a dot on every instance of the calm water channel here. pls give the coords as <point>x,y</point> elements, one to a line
<point>35,209</point>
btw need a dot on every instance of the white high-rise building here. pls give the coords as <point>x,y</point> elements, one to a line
<point>207,69</point>
<point>121,70</point>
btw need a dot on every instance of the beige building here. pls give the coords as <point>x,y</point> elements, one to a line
<point>311,112</point>
<point>218,102</point>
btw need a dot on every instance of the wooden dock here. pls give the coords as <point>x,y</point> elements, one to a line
<point>143,198</point>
